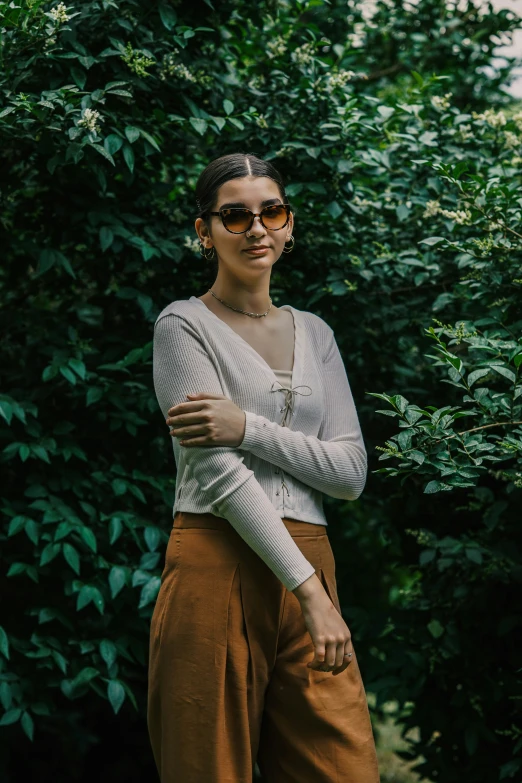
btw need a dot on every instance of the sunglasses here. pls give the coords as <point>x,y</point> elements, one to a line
<point>238,220</point>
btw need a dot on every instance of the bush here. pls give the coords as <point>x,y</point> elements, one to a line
<point>402,155</point>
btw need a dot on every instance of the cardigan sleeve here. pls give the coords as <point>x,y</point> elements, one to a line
<point>182,365</point>
<point>335,462</point>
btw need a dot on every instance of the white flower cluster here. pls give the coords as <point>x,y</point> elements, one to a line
<point>261,121</point>
<point>59,13</point>
<point>304,54</point>
<point>276,48</point>
<point>432,208</point>
<point>362,202</point>
<point>441,103</point>
<point>340,78</point>
<point>494,118</point>
<point>358,37</point>
<point>192,244</point>
<point>169,67</point>
<point>465,132</point>
<point>460,216</point>
<point>511,139</point>
<point>90,119</point>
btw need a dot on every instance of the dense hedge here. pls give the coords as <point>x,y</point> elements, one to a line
<point>403,158</point>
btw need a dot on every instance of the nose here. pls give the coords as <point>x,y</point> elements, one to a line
<point>257,229</point>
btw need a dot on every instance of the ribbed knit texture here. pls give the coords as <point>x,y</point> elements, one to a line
<point>280,469</point>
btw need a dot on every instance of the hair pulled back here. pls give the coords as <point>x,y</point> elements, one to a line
<point>232,166</point>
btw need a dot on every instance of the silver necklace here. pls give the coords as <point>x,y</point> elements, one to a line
<point>237,309</point>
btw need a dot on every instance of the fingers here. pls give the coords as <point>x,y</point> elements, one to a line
<point>332,657</point>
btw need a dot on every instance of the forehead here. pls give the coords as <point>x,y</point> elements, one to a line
<point>249,190</point>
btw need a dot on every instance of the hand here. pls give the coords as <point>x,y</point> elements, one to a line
<point>207,420</point>
<point>330,634</point>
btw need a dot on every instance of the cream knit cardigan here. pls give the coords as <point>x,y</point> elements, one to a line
<point>299,443</point>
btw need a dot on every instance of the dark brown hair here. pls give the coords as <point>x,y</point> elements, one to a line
<point>232,166</point>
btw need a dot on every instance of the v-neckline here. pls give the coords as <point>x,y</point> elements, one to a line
<point>298,339</point>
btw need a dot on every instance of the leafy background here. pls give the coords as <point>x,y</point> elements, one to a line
<point>402,153</point>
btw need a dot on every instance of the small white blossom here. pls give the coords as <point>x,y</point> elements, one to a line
<point>511,139</point>
<point>59,13</point>
<point>494,118</point>
<point>304,54</point>
<point>460,216</point>
<point>465,132</point>
<point>90,119</point>
<point>192,244</point>
<point>276,48</point>
<point>432,208</point>
<point>441,103</point>
<point>261,121</point>
<point>362,202</point>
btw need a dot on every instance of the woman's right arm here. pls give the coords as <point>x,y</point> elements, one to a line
<point>181,366</point>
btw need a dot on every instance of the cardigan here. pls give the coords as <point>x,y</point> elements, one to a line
<point>299,442</point>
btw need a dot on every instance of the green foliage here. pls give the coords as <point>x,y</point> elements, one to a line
<point>403,158</point>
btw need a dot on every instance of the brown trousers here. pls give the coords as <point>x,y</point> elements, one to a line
<point>228,681</point>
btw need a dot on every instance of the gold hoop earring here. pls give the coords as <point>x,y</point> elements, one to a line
<point>289,249</point>
<point>203,251</point>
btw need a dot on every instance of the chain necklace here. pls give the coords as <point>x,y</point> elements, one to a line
<point>237,309</point>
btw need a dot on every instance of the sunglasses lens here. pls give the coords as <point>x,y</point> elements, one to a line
<point>236,220</point>
<point>274,217</point>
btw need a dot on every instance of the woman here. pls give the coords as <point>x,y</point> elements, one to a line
<point>250,658</point>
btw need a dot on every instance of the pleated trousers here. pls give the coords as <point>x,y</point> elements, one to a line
<point>228,682</point>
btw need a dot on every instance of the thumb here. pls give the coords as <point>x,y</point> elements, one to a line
<point>206,395</point>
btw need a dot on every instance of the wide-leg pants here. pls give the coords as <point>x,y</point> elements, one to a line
<point>228,681</point>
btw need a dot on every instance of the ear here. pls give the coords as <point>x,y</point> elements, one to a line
<point>202,229</point>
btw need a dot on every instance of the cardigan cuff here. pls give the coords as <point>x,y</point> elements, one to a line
<point>253,424</point>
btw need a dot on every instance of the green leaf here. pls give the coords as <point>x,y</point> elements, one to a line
<point>475,375</point>
<point>108,652</point>
<point>113,143</point>
<point>117,580</point>
<point>10,717</point>
<point>152,537</point>
<point>128,156</point>
<point>474,555</point>
<point>432,241</point>
<point>89,594</point>
<point>505,372</point>
<point>116,694</point>
<point>433,486</point>
<point>435,628</point>
<point>132,133</point>
<point>168,15</point>
<point>106,238</point>
<point>88,537</point>
<point>228,106</point>
<point>199,125</point>
<point>4,643</point>
<point>334,209</point>
<point>103,152</point>
<point>115,528</point>
<point>149,591</point>
<point>49,552</point>
<point>79,76</point>
<point>27,725</point>
<point>71,556</point>
<point>426,556</point>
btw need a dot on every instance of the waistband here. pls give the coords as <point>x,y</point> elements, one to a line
<point>189,519</point>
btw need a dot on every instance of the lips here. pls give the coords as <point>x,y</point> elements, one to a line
<point>257,247</point>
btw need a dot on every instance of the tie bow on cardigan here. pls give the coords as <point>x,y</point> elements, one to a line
<point>289,400</point>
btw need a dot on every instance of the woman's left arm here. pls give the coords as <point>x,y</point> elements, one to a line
<point>334,463</point>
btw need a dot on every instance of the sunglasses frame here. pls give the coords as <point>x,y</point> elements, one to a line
<point>253,217</point>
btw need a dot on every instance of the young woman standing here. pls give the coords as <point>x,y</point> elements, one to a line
<point>250,658</point>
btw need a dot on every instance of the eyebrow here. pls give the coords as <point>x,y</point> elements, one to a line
<point>234,204</point>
